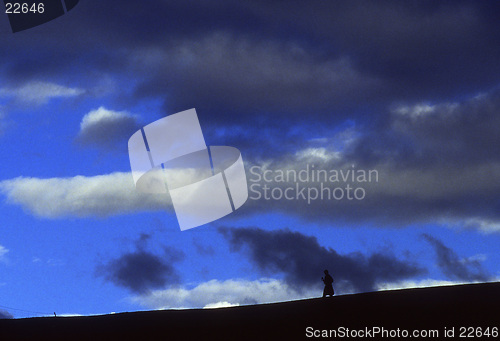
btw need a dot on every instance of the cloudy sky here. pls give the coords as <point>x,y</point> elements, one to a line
<point>407,90</point>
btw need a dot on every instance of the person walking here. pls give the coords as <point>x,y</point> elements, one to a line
<point>328,280</point>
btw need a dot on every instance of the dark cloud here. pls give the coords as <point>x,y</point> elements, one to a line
<point>435,162</point>
<point>5,315</point>
<point>266,78</point>
<point>425,134</point>
<point>462,196</point>
<point>421,49</point>
<point>453,267</point>
<point>141,270</point>
<point>238,77</point>
<point>302,259</point>
<point>241,59</point>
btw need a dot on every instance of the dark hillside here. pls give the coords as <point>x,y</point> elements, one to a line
<point>475,305</point>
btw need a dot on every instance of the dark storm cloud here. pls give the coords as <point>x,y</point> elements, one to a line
<point>141,270</point>
<point>302,259</point>
<point>326,60</point>
<point>447,133</point>
<point>465,197</point>
<point>266,68</point>
<point>455,268</point>
<point>335,57</point>
<point>237,77</point>
<point>435,162</point>
<point>421,48</point>
<point>98,37</point>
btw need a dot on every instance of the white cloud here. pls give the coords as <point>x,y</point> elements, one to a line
<point>400,195</point>
<point>98,116</point>
<point>235,292</point>
<point>49,262</point>
<point>484,225</point>
<point>424,283</point>
<point>107,127</point>
<point>480,257</point>
<point>315,154</point>
<point>88,196</point>
<point>217,293</point>
<point>81,196</point>
<point>415,111</point>
<point>424,110</point>
<point>37,92</point>
<point>220,305</point>
<point>3,252</point>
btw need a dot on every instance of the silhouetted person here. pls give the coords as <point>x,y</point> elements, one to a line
<point>328,280</point>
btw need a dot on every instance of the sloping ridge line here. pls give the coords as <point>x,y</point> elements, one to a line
<point>425,308</point>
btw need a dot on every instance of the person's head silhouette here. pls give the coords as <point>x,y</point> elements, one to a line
<point>326,272</point>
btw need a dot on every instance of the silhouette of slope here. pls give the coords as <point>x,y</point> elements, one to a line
<point>472,305</point>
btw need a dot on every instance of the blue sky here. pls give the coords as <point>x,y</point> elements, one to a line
<point>408,89</point>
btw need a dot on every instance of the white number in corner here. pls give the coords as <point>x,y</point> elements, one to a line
<point>18,8</point>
